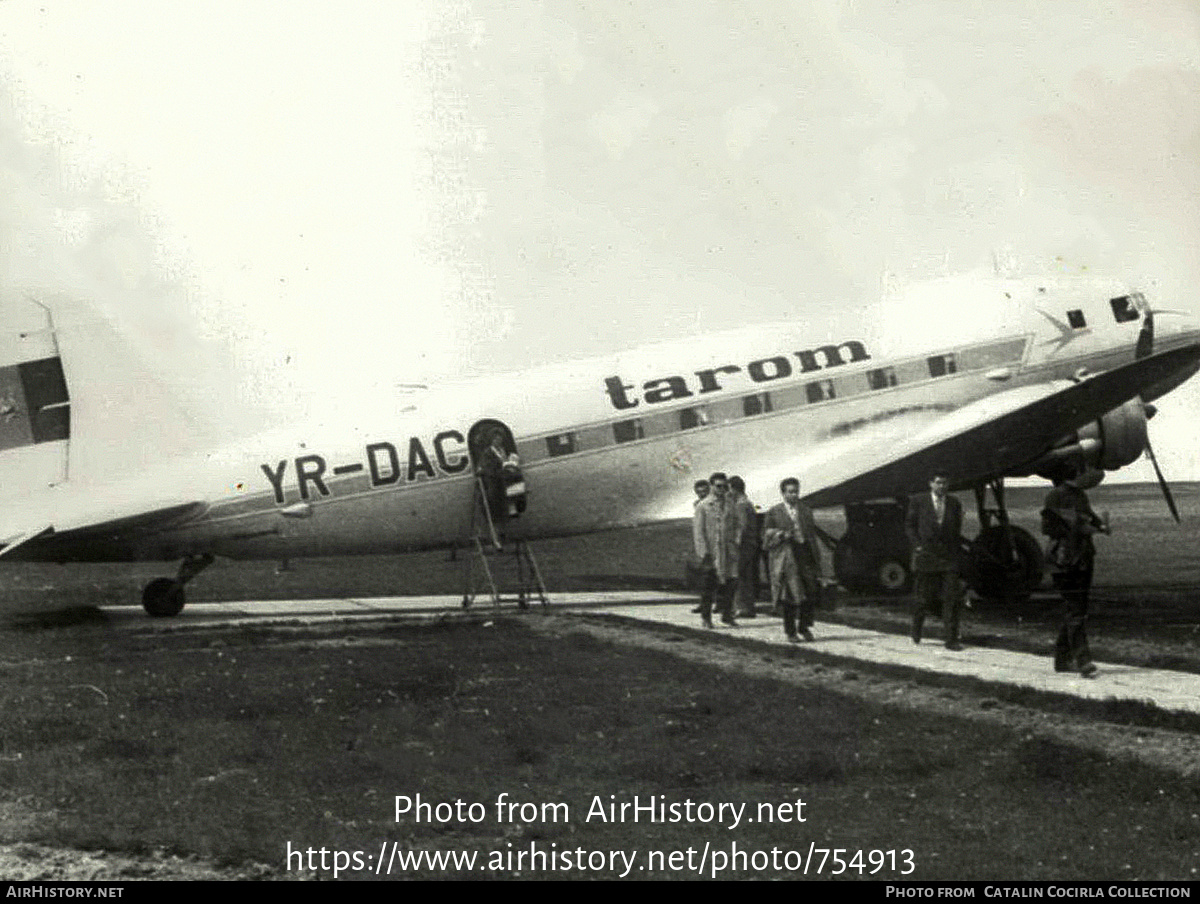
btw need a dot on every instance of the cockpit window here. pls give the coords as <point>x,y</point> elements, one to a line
<point>1124,309</point>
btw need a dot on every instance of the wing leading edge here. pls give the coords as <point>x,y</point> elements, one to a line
<point>995,436</point>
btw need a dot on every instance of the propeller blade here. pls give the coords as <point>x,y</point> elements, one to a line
<point>1145,339</point>
<point>1162,482</point>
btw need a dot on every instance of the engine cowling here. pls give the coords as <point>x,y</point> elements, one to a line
<point>1115,440</point>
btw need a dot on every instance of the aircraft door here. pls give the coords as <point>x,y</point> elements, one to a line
<point>494,457</point>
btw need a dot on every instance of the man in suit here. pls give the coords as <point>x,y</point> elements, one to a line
<point>491,473</point>
<point>746,539</point>
<point>790,537</point>
<point>714,531</point>
<point>693,571</point>
<point>934,527</point>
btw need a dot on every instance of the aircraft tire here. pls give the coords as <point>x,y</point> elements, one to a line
<point>861,571</point>
<point>992,579</point>
<point>892,575</point>
<point>162,598</point>
<point>851,567</point>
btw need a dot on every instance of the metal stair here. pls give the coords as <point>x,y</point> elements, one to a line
<point>486,570</point>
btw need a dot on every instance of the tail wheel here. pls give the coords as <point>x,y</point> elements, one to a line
<point>1006,564</point>
<point>163,597</point>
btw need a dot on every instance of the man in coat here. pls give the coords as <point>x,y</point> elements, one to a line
<point>934,527</point>
<point>746,538</point>
<point>1070,523</point>
<point>790,537</point>
<point>714,535</point>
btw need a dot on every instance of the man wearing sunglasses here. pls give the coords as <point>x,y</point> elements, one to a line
<point>714,533</point>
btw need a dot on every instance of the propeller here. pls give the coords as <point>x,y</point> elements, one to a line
<point>1145,339</point>
<point>1145,347</point>
<point>1162,482</point>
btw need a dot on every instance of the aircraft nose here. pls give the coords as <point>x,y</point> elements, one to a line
<point>1177,328</point>
<point>1190,326</point>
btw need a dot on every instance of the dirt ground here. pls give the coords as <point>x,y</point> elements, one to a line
<point>1173,752</point>
<point>1145,612</point>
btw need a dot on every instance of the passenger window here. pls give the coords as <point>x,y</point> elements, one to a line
<point>1076,319</point>
<point>941,365</point>
<point>882,378</point>
<point>562,444</point>
<point>1123,309</point>
<point>692,417</point>
<point>759,403</point>
<point>820,391</point>
<point>627,431</point>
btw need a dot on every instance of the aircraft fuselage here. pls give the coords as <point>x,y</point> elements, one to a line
<point>618,441</point>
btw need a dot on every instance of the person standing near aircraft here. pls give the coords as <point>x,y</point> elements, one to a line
<point>934,527</point>
<point>492,464</point>
<point>694,573</point>
<point>790,537</point>
<point>746,539</point>
<point>1070,523</point>
<point>714,532</point>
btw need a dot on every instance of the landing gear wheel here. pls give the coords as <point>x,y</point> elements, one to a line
<point>163,597</point>
<point>863,572</point>
<point>893,576</point>
<point>850,567</point>
<point>1004,569</point>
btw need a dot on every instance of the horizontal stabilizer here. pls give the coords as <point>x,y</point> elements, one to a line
<point>11,543</point>
<point>107,538</point>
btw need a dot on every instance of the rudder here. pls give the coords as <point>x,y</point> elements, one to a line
<point>35,415</point>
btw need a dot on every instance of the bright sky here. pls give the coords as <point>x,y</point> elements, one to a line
<point>272,152</point>
<point>347,196</point>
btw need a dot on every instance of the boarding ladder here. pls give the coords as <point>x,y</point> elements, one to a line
<point>519,582</point>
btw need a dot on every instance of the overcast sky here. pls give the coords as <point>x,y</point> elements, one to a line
<point>303,200</point>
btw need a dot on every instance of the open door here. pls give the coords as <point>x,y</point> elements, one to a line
<point>498,469</point>
<point>479,437</point>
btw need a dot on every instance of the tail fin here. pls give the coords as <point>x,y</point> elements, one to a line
<point>35,416</point>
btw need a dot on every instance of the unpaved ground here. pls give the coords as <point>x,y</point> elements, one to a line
<point>1175,752</point>
<point>37,863</point>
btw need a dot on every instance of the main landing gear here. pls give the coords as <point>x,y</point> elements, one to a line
<point>1004,562</point>
<point>163,597</point>
<point>874,556</point>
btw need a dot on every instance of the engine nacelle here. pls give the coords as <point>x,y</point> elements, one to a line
<point>1115,440</point>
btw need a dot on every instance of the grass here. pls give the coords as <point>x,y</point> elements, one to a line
<point>229,745</point>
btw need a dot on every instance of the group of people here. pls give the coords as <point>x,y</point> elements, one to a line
<point>729,537</point>
<point>934,527</point>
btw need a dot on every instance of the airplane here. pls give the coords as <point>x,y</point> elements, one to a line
<point>981,378</point>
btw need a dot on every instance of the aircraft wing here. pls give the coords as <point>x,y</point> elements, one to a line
<point>991,437</point>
